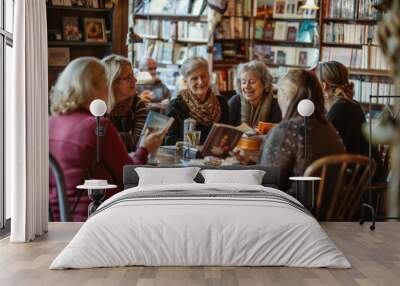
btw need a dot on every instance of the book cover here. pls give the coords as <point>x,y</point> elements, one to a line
<point>279,8</point>
<point>155,122</point>
<point>291,8</point>
<point>303,58</point>
<point>264,8</point>
<point>306,32</point>
<point>281,58</point>
<point>280,31</point>
<point>269,31</point>
<point>259,30</point>
<point>196,7</point>
<point>292,31</point>
<point>221,140</point>
<point>182,7</point>
<point>262,52</point>
<point>218,52</point>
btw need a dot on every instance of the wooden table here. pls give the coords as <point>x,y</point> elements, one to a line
<point>374,255</point>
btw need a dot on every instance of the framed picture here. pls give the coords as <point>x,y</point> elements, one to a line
<point>95,30</point>
<point>70,27</point>
<point>58,57</point>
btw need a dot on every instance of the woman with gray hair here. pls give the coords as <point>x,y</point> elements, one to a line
<point>198,101</point>
<point>254,101</point>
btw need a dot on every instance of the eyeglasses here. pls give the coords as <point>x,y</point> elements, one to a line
<point>129,78</point>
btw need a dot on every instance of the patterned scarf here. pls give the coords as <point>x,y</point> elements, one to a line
<point>252,115</point>
<point>205,113</point>
<point>122,108</point>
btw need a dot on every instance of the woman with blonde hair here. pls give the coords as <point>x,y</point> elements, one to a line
<point>125,109</point>
<point>72,138</point>
<point>284,145</point>
<point>197,101</point>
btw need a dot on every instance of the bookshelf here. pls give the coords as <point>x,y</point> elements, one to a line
<point>281,34</point>
<point>348,29</point>
<point>171,32</point>
<point>95,29</point>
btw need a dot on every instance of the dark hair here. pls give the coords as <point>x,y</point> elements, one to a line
<point>336,76</point>
<point>307,86</point>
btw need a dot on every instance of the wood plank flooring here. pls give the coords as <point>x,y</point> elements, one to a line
<point>374,255</point>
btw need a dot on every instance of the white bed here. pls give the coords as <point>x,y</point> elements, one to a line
<point>247,229</point>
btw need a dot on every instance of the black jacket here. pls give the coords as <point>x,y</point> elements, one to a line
<point>348,117</point>
<point>179,110</point>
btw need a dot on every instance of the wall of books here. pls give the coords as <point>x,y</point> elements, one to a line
<point>349,35</point>
<point>171,31</point>
<point>276,31</point>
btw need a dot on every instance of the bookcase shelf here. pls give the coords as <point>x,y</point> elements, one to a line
<point>249,36</point>
<point>233,16</point>
<point>299,19</point>
<point>171,17</point>
<point>193,42</point>
<point>76,8</point>
<point>77,43</point>
<point>66,34</point>
<point>342,45</point>
<point>370,72</point>
<point>352,21</point>
<point>232,40</point>
<point>287,66</point>
<point>229,62</point>
<point>284,43</point>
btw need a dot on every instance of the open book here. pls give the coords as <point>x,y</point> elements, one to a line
<point>155,122</point>
<point>221,140</point>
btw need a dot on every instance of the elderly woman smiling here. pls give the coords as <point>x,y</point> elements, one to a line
<point>254,101</point>
<point>197,101</point>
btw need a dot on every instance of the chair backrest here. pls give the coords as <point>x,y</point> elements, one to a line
<point>384,151</point>
<point>344,179</point>
<point>63,205</point>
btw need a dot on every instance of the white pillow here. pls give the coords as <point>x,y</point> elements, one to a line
<point>248,177</point>
<point>166,176</point>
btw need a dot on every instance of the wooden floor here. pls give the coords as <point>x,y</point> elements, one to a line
<point>375,256</point>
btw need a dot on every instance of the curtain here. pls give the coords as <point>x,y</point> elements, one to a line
<point>26,123</point>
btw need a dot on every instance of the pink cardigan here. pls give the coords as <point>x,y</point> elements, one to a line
<point>72,141</point>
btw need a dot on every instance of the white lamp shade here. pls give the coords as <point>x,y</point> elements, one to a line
<point>305,107</point>
<point>98,107</point>
<point>310,5</point>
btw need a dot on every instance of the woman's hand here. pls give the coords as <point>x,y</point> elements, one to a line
<point>153,141</point>
<point>146,96</point>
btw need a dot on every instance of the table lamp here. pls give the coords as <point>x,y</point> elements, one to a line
<point>98,108</point>
<point>305,185</point>
<point>306,108</point>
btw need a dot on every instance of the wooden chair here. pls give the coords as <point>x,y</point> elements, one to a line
<point>344,179</point>
<point>63,205</point>
<point>379,189</point>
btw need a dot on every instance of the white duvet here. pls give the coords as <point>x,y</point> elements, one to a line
<point>200,231</point>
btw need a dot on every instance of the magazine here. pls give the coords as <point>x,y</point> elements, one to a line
<point>155,122</point>
<point>221,140</point>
